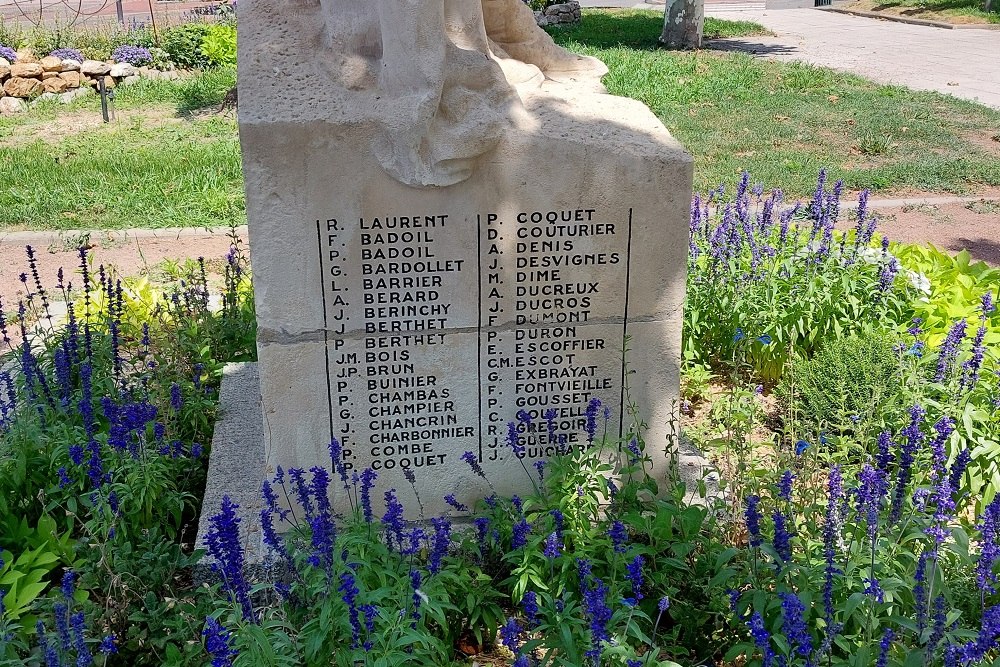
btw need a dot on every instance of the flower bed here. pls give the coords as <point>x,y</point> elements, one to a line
<point>860,534</point>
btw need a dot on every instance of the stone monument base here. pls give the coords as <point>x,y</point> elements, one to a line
<point>236,464</point>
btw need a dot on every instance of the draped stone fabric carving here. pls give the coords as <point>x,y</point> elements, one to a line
<point>447,89</point>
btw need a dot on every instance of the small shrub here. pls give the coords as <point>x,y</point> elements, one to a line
<point>850,380</point>
<point>219,46</point>
<point>136,56</point>
<point>183,44</point>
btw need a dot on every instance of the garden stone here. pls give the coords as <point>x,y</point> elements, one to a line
<point>55,85</point>
<point>70,65</point>
<point>4,69</point>
<point>49,75</point>
<point>94,67</point>
<point>44,97</point>
<point>109,82</point>
<point>122,70</point>
<point>73,95</point>
<point>169,75</point>
<point>25,70</point>
<point>129,80</point>
<point>27,56</point>
<point>72,79</point>
<point>22,87</point>
<point>413,298</point>
<point>51,64</point>
<point>12,105</point>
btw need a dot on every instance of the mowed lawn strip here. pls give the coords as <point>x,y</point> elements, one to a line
<point>783,122</point>
<point>157,168</point>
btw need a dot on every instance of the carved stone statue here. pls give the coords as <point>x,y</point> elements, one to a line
<point>444,92</point>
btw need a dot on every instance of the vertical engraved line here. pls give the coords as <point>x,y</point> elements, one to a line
<point>326,328</point>
<point>628,281</point>
<point>479,327</point>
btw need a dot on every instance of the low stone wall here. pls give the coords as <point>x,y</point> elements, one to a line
<point>562,14</point>
<point>51,78</point>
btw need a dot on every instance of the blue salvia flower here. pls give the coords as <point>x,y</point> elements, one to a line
<point>270,536</point>
<point>633,572</point>
<point>559,521</point>
<point>884,458</point>
<point>873,589</point>
<point>785,486</point>
<point>368,477</point>
<point>782,538</point>
<point>550,422</point>
<point>301,489</point>
<point>529,603</point>
<point>61,611</point>
<point>989,546</point>
<point>598,614</point>
<point>972,366</point>
<point>224,546</point>
<point>451,500</point>
<point>831,532</point>
<point>937,632</point>
<point>761,638</point>
<point>920,592</point>
<point>217,643</point>
<point>619,536</point>
<point>393,520</point>
<point>521,531</point>
<point>49,648</point>
<point>515,500</point>
<point>510,634</point>
<point>337,459</point>
<point>473,462</point>
<point>524,417</point>
<point>482,531</point>
<point>958,468</point>
<point>108,646</point>
<point>883,648</point>
<point>985,641</point>
<point>349,594</point>
<point>442,538</point>
<point>540,468</point>
<point>513,440</point>
<point>553,545</point>
<point>949,350</point>
<point>83,656</point>
<point>912,435</point>
<point>794,626</point>
<point>871,489</point>
<point>752,515</point>
<point>67,587</point>
<point>887,275</point>
<point>591,426</point>
<point>176,399</point>
<point>320,486</point>
<point>415,581</point>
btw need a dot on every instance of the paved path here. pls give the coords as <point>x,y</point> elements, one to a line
<point>963,63</point>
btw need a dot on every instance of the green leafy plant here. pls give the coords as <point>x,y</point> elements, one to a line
<point>850,383</point>
<point>182,44</point>
<point>218,45</point>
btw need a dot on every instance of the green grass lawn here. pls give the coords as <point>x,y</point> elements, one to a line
<point>169,167</point>
<point>783,122</point>
<point>160,168</point>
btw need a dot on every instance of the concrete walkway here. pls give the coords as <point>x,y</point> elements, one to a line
<point>963,63</point>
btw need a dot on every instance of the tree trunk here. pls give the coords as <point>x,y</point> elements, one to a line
<point>683,24</point>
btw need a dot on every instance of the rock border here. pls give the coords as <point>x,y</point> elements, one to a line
<point>562,14</point>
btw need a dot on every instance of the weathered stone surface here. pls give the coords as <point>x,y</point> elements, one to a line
<point>72,79</point>
<point>21,87</point>
<point>109,82</point>
<point>44,97</point>
<point>55,84</point>
<point>4,69</point>
<point>73,95</point>
<point>70,65</point>
<point>12,105</point>
<point>49,75</point>
<point>26,70</point>
<point>129,80</point>
<point>122,70</point>
<point>51,64</point>
<point>683,24</point>
<point>26,56</point>
<point>94,67</point>
<point>453,271</point>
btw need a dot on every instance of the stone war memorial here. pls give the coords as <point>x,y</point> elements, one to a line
<point>451,222</point>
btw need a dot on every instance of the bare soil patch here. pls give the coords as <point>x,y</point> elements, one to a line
<point>929,13</point>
